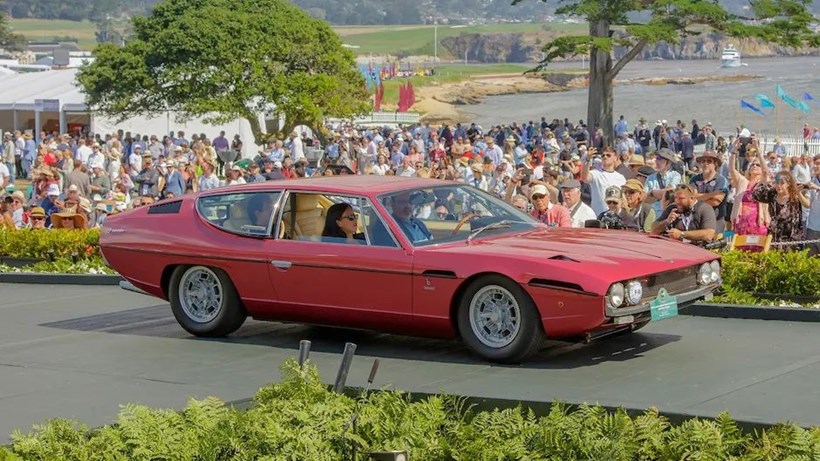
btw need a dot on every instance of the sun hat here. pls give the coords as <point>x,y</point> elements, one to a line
<point>79,220</point>
<point>633,184</point>
<point>636,160</point>
<point>37,212</point>
<point>53,190</point>
<point>667,154</point>
<point>713,155</point>
<point>646,171</point>
<point>19,195</point>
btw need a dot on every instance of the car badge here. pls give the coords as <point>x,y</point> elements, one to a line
<point>428,285</point>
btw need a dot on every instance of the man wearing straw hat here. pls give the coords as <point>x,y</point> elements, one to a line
<point>68,220</point>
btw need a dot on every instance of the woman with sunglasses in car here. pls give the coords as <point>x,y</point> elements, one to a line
<point>341,225</point>
<point>748,217</point>
<point>785,202</point>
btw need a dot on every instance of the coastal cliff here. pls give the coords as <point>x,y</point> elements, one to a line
<point>520,47</point>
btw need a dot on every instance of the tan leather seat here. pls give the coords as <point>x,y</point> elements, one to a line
<point>310,218</point>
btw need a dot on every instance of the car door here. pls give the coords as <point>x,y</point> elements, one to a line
<point>329,282</point>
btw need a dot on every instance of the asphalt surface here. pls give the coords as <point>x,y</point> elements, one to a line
<point>80,352</point>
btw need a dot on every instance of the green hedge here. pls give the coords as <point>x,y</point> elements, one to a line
<point>300,419</point>
<point>789,273</point>
<point>91,265</point>
<point>36,244</point>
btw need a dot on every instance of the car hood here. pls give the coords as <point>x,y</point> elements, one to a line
<point>592,258</point>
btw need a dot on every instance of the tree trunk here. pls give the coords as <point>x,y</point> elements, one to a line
<point>600,104</point>
<point>256,129</point>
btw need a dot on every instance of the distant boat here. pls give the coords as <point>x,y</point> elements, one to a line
<point>730,57</point>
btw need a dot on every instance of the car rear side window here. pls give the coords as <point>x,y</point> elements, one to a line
<point>248,213</point>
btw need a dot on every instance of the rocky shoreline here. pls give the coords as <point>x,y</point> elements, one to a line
<point>439,103</point>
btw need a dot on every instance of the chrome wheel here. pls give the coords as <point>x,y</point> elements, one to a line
<point>200,294</point>
<point>495,316</point>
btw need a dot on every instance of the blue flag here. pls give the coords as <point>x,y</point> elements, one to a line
<point>751,107</point>
<point>788,99</point>
<point>807,97</point>
<point>764,101</point>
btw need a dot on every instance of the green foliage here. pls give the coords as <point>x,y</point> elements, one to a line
<point>223,59</point>
<point>777,272</point>
<point>8,39</point>
<point>36,244</point>
<point>92,265</point>
<point>299,418</point>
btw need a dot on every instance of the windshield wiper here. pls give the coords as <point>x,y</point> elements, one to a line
<point>495,225</point>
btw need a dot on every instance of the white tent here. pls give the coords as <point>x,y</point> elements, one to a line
<point>52,100</point>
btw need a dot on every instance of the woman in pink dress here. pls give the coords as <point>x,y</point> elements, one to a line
<point>749,217</point>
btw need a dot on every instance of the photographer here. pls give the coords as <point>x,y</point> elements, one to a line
<point>688,219</point>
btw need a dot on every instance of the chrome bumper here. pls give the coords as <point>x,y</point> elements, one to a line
<point>684,299</point>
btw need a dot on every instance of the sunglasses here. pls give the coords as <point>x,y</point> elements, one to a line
<point>353,217</point>
<point>630,192</point>
<point>707,160</point>
<point>782,180</point>
<point>609,155</point>
<point>37,218</point>
<point>539,197</point>
<point>752,165</point>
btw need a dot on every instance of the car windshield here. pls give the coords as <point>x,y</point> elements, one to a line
<point>452,213</point>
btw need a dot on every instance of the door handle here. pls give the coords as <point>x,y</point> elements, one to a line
<point>284,265</point>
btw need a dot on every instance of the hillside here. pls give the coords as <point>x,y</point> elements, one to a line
<point>339,12</point>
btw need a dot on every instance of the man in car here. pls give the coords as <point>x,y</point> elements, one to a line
<point>260,208</point>
<point>688,219</point>
<point>414,229</point>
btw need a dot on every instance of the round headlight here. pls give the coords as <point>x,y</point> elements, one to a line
<point>715,271</point>
<point>634,292</point>
<point>705,274</point>
<point>615,296</point>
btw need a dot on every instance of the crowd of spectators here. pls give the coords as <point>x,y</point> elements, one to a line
<point>563,174</point>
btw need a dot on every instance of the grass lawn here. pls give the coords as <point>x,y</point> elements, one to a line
<point>404,39</point>
<point>47,29</point>
<point>419,39</point>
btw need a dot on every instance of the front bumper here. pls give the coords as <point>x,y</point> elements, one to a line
<point>684,299</point>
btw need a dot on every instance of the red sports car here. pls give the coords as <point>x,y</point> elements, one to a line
<point>405,255</point>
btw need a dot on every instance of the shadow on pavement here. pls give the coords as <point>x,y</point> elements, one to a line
<point>158,321</point>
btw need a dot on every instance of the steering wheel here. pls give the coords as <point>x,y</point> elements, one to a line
<point>463,221</point>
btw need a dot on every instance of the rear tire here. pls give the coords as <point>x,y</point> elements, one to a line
<point>205,302</point>
<point>498,320</point>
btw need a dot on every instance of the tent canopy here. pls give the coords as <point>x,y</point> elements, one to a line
<point>19,93</point>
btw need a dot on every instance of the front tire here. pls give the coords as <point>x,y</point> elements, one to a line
<point>498,320</point>
<point>205,302</point>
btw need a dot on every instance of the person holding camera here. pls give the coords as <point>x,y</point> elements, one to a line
<point>601,180</point>
<point>688,219</point>
<point>663,181</point>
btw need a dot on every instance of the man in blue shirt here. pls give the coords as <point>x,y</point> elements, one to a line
<point>413,228</point>
<point>621,127</point>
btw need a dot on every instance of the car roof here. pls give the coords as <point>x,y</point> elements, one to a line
<point>345,184</point>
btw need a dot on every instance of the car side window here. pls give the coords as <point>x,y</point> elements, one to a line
<point>332,219</point>
<point>249,213</point>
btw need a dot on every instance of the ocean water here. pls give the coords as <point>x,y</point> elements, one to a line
<point>716,102</point>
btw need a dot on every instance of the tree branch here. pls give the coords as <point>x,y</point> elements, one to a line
<point>625,59</point>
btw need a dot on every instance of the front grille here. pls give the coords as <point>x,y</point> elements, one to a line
<point>677,281</point>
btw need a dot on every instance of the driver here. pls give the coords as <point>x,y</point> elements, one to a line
<point>260,209</point>
<point>413,228</point>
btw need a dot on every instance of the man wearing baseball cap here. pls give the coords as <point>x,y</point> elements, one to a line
<point>579,212</point>
<point>49,203</point>
<point>712,187</point>
<point>545,211</point>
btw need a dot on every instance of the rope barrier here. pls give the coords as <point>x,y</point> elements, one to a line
<point>795,243</point>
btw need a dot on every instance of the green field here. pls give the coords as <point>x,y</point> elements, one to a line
<point>46,29</point>
<point>408,40</point>
<point>398,40</point>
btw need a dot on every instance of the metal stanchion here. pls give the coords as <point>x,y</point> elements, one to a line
<point>304,352</point>
<point>344,367</point>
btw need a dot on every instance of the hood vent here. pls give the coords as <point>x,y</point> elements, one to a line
<point>563,258</point>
